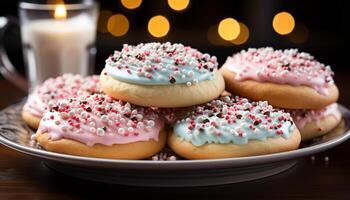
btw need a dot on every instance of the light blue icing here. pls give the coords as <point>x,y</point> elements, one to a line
<point>229,133</point>
<point>162,67</point>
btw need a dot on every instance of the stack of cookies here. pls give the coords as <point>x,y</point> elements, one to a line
<point>154,94</point>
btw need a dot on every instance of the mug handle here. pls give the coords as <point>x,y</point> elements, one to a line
<point>6,67</point>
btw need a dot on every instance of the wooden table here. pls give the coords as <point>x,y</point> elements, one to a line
<point>25,177</point>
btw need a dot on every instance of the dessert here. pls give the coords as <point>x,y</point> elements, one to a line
<point>54,89</point>
<point>233,127</point>
<point>285,78</point>
<point>314,123</point>
<point>98,126</point>
<point>162,75</point>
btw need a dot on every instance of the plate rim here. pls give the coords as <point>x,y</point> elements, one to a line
<point>181,164</point>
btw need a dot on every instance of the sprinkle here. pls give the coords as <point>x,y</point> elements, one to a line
<point>100,132</point>
<point>231,118</point>
<point>121,131</point>
<point>150,123</point>
<point>171,60</point>
<point>107,117</point>
<point>172,80</point>
<point>288,67</point>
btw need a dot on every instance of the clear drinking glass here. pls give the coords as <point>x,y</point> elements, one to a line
<point>57,39</point>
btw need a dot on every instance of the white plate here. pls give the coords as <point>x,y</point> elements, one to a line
<point>15,134</point>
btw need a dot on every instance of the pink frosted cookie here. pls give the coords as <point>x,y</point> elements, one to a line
<point>54,89</point>
<point>98,126</point>
<point>314,123</point>
<point>285,78</point>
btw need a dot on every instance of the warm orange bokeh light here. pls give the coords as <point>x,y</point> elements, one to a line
<point>229,29</point>
<point>178,5</point>
<point>158,26</point>
<point>243,35</point>
<point>118,25</point>
<point>283,23</point>
<point>131,4</point>
<point>60,12</point>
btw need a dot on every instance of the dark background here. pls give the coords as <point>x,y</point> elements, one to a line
<point>326,22</point>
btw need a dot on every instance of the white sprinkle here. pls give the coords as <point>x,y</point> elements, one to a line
<point>139,117</point>
<point>92,130</point>
<point>100,132</point>
<point>150,123</point>
<point>121,131</point>
<point>104,118</point>
<point>84,115</point>
<point>71,113</point>
<point>140,125</point>
<point>172,158</point>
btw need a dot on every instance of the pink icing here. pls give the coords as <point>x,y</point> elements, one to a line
<point>54,89</point>
<point>284,67</point>
<point>98,119</point>
<point>302,117</point>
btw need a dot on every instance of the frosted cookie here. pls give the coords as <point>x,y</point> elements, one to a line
<point>314,123</point>
<point>233,127</point>
<point>286,79</point>
<point>162,75</point>
<point>98,126</point>
<point>54,89</point>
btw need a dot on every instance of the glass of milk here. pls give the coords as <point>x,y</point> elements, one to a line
<point>57,39</point>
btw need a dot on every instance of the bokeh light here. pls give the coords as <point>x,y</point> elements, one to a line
<point>103,20</point>
<point>60,12</point>
<point>131,4</point>
<point>178,5</point>
<point>229,29</point>
<point>158,26</point>
<point>55,2</point>
<point>118,25</point>
<point>283,23</point>
<point>300,34</point>
<point>243,35</point>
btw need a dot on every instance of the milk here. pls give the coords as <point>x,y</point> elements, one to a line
<point>56,46</point>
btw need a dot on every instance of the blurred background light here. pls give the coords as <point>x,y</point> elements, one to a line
<point>131,4</point>
<point>228,29</point>
<point>118,25</point>
<point>158,26</point>
<point>243,35</point>
<point>283,23</point>
<point>178,5</point>
<point>55,2</point>
<point>60,12</point>
<point>103,20</point>
<point>300,34</point>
